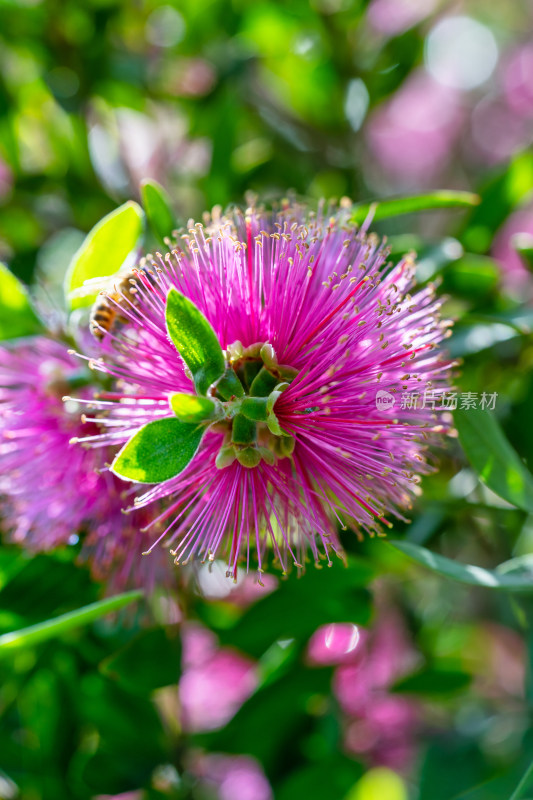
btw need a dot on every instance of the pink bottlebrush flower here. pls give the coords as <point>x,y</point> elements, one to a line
<point>52,490</point>
<point>215,681</point>
<point>232,777</point>
<point>301,339</point>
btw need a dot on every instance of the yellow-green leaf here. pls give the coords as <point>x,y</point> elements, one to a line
<point>103,252</point>
<point>17,317</point>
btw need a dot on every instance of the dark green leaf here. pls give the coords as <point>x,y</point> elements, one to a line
<point>159,450</point>
<point>158,210</point>
<point>466,573</point>
<point>410,205</point>
<point>195,340</point>
<point>55,627</point>
<point>149,661</point>
<point>433,682</point>
<point>330,778</point>
<point>17,317</point>
<point>493,458</point>
<point>103,253</point>
<point>300,605</point>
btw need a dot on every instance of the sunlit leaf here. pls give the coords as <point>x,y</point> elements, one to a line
<point>17,317</point>
<point>411,205</point>
<point>103,253</point>
<point>493,458</point>
<point>195,340</point>
<point>158,209</point>
<point>158,451</point>
<point>192,408</point>
<point>34,634</point>
<point>502,580</point>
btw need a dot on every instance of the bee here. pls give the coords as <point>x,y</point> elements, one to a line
<point>105,313</point>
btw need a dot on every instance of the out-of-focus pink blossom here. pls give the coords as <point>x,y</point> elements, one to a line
<point>515,276</point>
<point>336,643</point>
<point>392,17</point>
<point>412,134</point>
<point>215,681</point>
<point>53,491</point>
<point>497,132</point>
<point>378,725</point>
<point>6,179</point>
<point>233,777</point>
<point>518,80</point>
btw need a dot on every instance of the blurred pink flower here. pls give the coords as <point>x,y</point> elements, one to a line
<point>413,132</point>
<point>518,80</point>
<point>392,17</point>
<point>515,276</point>
<point>6,179</point>
<point>53,491</point>
<point>378,725</point>
<point>233,777</point>
<point>335,643</point>
<point>215,681</point>
<point>496,130</point>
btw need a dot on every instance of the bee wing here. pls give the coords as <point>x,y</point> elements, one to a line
<point>90,287</point>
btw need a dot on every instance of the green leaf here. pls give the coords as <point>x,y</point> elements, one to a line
<point>410,205</point>
<point>195,340</point>
<point>433,681</point>
<point>158,451</point>
<point>525,783</point>
<point>103,253</point>
<point>191,408</point>
<point>493,458</point>
<point>34,634</point>
<point>149,661</point>
<point>501,578</point>
<point>158,210</point>
<point>17,317</point>
<point>334,594</point>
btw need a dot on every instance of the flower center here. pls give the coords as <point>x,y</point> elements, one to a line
<point>252,432</point>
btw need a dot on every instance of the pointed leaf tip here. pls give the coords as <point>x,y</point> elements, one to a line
<point>158,451</point>
<point>158,209</point>
<point>103,252</point>
<point>195,340</point>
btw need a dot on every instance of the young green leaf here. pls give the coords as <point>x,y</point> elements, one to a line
<point>191,408</point>
<point>410,205</point>
<point>195,340</point>
<point>34,634</point>
<point>503,579</point>
<point>159,450</point>
<point>103,253</point>
<point>17,317</point>
<point>493,458</point>
<point>158,209</point>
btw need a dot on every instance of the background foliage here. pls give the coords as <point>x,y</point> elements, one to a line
<point>331,97</point>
